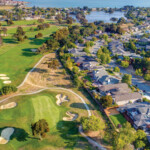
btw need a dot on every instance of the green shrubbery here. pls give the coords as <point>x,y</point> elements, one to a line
<point>8,89</point>
<point>106,101</point>
<point>92,123</point>
<point>146,100</point>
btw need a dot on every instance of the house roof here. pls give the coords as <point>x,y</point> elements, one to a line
<point>115,88</point>
<point>128,96</point>
<point>139,112</point>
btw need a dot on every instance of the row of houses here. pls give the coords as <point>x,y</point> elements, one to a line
<point>107,84</point>
<point>120,93</point>
<point>116,47</point>
<point>78,51</point>
<point>138,114</point>
<point>129,102</point>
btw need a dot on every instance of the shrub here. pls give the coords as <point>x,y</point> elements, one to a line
<point>8,89</point>
<point>139,72</point>
<point>106,101</point>
<point>36,36</point>
<point>25,37</point>
<point>92,123</point>
<point>9,22</point>
<point>116,69</point>
<point>119,126</point>
<point>20,38</point>
<point>127,78</point>
<point>46,25</point>
<point>86,50</point>
<point>146,100</point>
<point>147,77</point>
<point>94,39</point>
<point>81,41</point>
<point>40,20</point>
<point>40,34</point>
<point>124,64</point>
<point>40,27</point>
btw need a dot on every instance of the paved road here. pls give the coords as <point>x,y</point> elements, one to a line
<point>141,84</point>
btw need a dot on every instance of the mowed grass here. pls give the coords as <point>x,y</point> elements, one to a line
<point>44,107</point>
<point>16,59</point>
<point>25,22</point>
<point>62,135</point>
<point>118,119</point>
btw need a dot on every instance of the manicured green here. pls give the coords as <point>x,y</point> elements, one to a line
<point>118,119</point>
<point>16,59</point>
<point>30,109</point>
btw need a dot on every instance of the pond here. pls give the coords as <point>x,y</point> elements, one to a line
<point>102,16</point>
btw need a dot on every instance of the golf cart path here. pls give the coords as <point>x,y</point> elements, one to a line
<point>91,141</point>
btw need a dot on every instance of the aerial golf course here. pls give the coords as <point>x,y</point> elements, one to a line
<point>32,108</point>
<point>16,58</point>
<point>61,108</point>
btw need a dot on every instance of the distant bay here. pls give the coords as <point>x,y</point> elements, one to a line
<point>89,3</point>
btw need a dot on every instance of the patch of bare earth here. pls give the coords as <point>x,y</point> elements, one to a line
<point>48,77</point>
<point>98,137</point>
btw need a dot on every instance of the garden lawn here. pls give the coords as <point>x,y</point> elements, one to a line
<point>62,135</point>
<point>118,119</point>
<point>16,59</point>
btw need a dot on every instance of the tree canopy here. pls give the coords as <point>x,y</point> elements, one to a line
<point>127,78</point>
<point>40,128</point>
<point>92,123</point>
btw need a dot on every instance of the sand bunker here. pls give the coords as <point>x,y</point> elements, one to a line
<point>9,105</point>
<point>4,78</point>
<point>7,82</point>
<point>5,135</point>
<point>61,98</point>
<point>2,75</point>
<point>71,117</point>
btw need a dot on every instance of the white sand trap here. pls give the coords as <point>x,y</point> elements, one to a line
<point>5,135</point>
<point>61,98</point>
<point>3,75</point>
<point>6,82</point>
<point>8,106</point>
<point>71,117</point>
<point>4,78</point>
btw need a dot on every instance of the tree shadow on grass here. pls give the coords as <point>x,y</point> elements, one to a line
<point>39,41</point>
<point>28,53</point>
<point>90,99</point>
<point>69,132</point>
<point>10,41</point>
<point>80,106</point>
<point>19,134</point>
<point>39,70</point>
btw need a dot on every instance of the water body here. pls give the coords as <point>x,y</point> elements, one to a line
<point>89,3</point>
<point>98,16</point>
